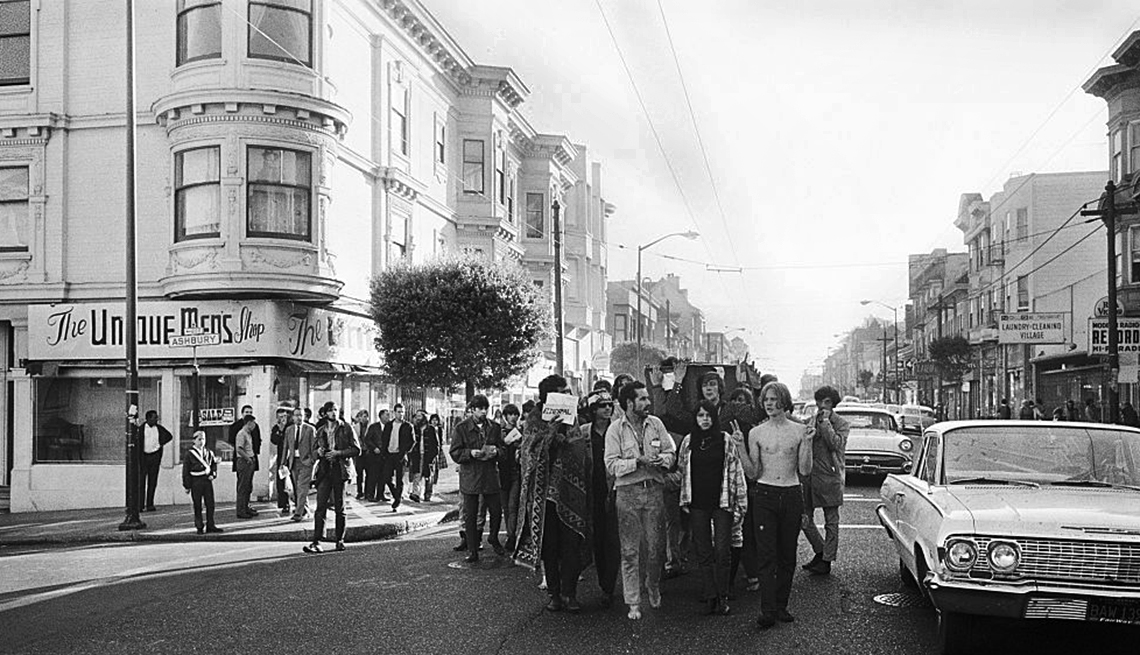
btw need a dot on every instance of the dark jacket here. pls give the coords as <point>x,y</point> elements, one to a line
<point>476,476</point>
<point>407,438</point>
<point>429,441</point>
<point>372,440</point>
<point>164,436</point>
<point>341,438</point>
<point>828,448</point>
<point>193,468</point>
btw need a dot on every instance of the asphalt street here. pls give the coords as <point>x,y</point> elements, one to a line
<point>410,594</point>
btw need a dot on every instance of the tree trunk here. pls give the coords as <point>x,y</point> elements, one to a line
<point>469,388</point>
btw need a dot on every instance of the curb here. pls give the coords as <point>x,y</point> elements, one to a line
<point>353,534</point>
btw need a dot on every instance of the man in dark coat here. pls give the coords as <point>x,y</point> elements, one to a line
<point>429,466</point>
<point>824,487</point>
<point>277,438</point>
<point>395,451</point>
<point>374,457</point>
<point>336,446</point>
<point>475,444</point>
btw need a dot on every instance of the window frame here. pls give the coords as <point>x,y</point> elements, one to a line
<point>27,203</point>
<point>440,141</point>
<point>179,230</point>
<point>1117,146</point>
<point>1021,224</point>
<point>179,42</point>
<point>1022,290</point>
<point>482,163</point>
<point>27,80</point>
<point>279,5</point>
<point>249,187</point>
<point>528,213</point>
<point>398,123</point>
<point>1134,257</point>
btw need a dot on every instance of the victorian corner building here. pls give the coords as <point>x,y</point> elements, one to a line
<point>287,152</point>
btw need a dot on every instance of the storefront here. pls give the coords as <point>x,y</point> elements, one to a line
<point>70,400</point>
<point>1075,377</point>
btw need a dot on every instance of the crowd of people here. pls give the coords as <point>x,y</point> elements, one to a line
<point>649,479</point>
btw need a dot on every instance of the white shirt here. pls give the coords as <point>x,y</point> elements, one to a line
<point>394,440</point>
<point>150,439</point>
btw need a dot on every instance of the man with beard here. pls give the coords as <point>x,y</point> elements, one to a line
<point>607,548</point>
<point>336,446</point>
<point>554,500</point>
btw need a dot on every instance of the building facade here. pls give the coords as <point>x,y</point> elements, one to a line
<point>287,151</point>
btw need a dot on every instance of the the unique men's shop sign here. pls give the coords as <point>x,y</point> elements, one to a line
<point>258,328</point>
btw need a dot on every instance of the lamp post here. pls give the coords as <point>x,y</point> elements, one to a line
<point>688,235</point>
<point>895,311</point>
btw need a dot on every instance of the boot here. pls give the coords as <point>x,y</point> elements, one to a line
<point>813,563</point>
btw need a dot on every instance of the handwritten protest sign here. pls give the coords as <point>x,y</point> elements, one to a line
<point>561,407</point>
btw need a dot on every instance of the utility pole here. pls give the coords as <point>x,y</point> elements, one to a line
<point>940,407</point>
<point>884,340</point>
<point>668,328</point>
<point>134,449</point>
<point>559,366</point>
<point>1108,212</point>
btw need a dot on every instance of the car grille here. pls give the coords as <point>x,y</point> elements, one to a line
<point>1071,561</point>
<point>875,459</point>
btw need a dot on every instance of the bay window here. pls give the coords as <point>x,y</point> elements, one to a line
<point>197,193</point>
<point>281,30</point>
<point>199,30</point>
<point>279,193</point>
<point>473,165</point>
<point>535,215</point>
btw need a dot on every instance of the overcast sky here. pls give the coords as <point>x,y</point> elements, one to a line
<point>840,134</point>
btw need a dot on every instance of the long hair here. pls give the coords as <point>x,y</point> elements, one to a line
<point>714,429</point>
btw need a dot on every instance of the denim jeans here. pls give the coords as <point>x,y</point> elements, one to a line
<point>641,522</point>
<point>510,502</point>
<point>777,522</point>
<point>712,545</point>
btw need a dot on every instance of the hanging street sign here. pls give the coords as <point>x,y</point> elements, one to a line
<point>1028,327</point>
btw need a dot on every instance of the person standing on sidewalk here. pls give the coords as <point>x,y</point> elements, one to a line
<point>779,452</point>
<point>336,445</point>
<point>199,468</point>
<point>824,487</point>
<point>429,468</point>
<point>638,452</point>
<point>245,464</point>
<point>555,500</point>
<point>279,472</point>
<point>509,473</point>
<point>300,455</point>
<point>396,442</point>
<point>374,452</point>
<point>415,455</point>
<point>360,423</point>
<point>475,444</point>
<point>153,437</point>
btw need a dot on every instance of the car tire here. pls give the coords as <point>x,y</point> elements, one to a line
<point>906,576</point>
<point>956,633</point>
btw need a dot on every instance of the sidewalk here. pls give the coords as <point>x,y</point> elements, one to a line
<point>366,521</point>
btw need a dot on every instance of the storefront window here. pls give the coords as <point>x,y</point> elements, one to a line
<point>288,388</point>
<point>81,419</point>
<point>358,397</point>
<point>323,388</point>
<point>217,408</point>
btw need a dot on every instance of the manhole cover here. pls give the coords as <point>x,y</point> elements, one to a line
<point>909,599</point>
<point>484,564</point>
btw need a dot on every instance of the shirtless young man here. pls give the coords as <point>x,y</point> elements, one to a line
<point>780,450</point>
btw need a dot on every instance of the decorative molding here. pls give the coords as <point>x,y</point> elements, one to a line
<point>179,262</point>
<point>14,271</point>
<point>253,255</point>
<point>338,132</point>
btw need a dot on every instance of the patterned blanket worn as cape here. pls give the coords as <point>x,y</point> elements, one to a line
<point>553,456</point>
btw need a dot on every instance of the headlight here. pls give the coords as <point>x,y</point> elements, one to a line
<point>1004,556</point>
<point>961,555</point>
<point>906,445</point>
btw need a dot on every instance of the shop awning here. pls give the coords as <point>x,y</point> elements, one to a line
<point>305,367</point>
<point>52,367</point>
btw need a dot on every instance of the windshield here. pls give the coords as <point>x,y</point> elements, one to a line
<point>1044,454</point>
<point>869,420</point>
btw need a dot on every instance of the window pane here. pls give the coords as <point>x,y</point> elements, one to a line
<point>278,211</point>
<point>200,34</point>
<point>80,419</point>
<point>13,183</point>
<point>15,59</point>
<point>295,168</point>
<point>14,225</point>
<point>534,215</point>
<point>278,34</point>
<point>264,165</point>
<point>199,210</point>
<point>15,18</point>
<point>199,165</point>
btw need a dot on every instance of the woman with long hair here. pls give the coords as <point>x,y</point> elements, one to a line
<point>714,491</point>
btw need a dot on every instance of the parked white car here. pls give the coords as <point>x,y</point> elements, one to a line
<point>875,445</point>
<point>1020,519</point>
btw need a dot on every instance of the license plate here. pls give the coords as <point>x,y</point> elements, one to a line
<point>869,468</point>
<point>1113,611</point>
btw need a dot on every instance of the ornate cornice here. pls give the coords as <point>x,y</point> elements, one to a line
<point>237,105</point>
<point>1128,53</point>
<point>556,147</point>
<point>399,183</point>
<point>1107,80</point>
<point>430,37</point>
<point>29,129</point>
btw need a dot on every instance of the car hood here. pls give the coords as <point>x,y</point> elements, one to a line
<point>874,440</point>
<point>1048,511</point>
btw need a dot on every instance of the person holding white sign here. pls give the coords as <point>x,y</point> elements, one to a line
<point>554,507</point>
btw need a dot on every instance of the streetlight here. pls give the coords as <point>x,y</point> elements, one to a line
<point>895,310</point>
<point>688,235</point>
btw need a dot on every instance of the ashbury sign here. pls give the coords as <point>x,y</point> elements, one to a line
<point>257,328</point>
<point>1031,328</point>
